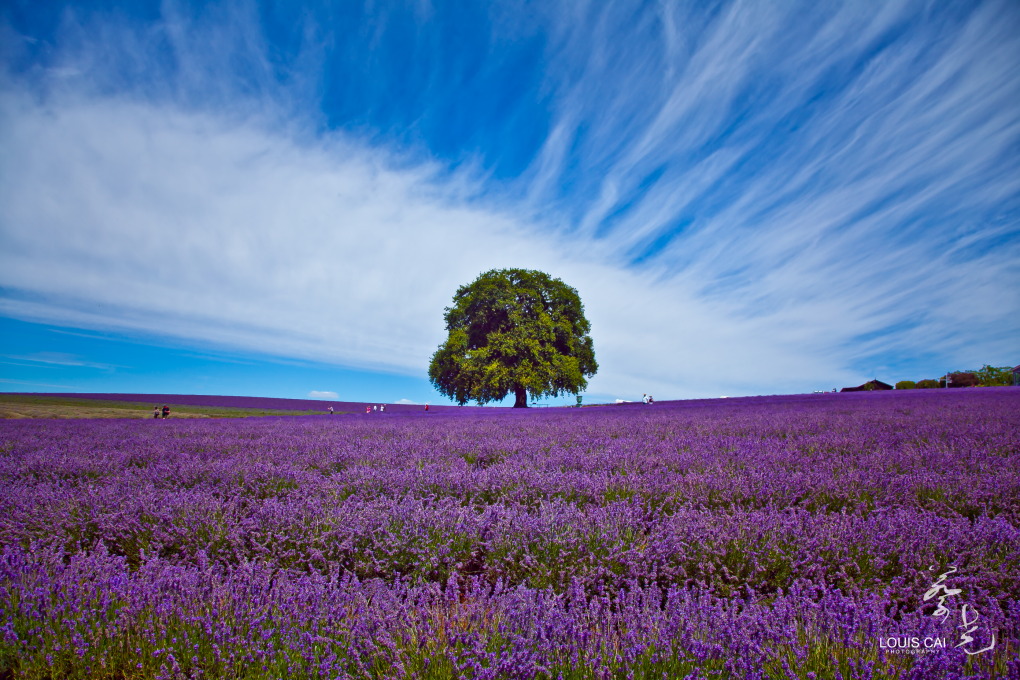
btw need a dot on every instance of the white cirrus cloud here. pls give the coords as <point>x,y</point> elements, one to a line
<point>763,200</point>
<point>62,359</point>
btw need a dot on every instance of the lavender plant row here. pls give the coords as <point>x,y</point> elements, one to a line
<point>787,537</point>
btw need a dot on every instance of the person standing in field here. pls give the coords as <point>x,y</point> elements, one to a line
<point>330,410</point>
<point>382,408</point>
<point>155,411</point>
<point>426,407</point>
<point>166,411</point>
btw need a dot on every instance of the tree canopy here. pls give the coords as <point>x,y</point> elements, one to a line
<point>514,331</point>
<point>993,376</point>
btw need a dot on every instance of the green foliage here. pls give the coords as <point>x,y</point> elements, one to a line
<point>991,376</point>
<point>960,379</point>
<point>986,376</point>
<point>513,331</point>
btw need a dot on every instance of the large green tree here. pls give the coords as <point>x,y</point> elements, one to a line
<point>514,331</point>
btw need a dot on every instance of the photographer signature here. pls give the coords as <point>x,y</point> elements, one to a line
<point>969,623</point>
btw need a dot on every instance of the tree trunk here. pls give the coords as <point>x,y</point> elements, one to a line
<point>522,397</point>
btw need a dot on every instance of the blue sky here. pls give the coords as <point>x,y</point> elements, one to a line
<point>279,199</point>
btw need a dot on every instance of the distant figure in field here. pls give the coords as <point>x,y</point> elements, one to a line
<point>382,408</point>
<point>644,399</point>
<point>155,411</point>
<point>166,411</point>
<point>426,407</point>
<point>374,407</point>
<point>368,409</point>
<point>651,400</point>
<point>330,409</point>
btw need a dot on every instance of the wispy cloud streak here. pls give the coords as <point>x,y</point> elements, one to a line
<point>56,359</point>
<point>834,169</point>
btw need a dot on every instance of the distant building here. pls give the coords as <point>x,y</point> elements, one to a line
<point>1016,376</point>
<point>870,386</point>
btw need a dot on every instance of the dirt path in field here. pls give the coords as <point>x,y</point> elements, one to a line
<point>45,406</point>
<point>29,410</point>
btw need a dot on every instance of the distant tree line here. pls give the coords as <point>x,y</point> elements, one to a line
<point>986,376</point>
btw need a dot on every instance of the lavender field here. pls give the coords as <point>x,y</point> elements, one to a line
<point>866,535</point>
